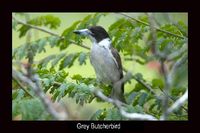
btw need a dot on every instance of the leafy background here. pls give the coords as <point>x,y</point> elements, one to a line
<point>66,73</point>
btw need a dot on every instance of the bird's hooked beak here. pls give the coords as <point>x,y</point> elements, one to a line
<point>85,32</point>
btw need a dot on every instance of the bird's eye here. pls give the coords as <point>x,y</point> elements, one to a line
<point>91,33</point>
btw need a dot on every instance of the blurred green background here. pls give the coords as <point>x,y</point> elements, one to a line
<point>67,19</point>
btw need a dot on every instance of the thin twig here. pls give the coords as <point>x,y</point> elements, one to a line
<point>47,31</point>
<point>141,82</point>
<point>147,24</point>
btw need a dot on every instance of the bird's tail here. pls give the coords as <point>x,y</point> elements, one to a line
<point>118,92</point>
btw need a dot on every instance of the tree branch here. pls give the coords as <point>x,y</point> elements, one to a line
<point>22,86</point>
<point>177,64</point>
<point>48,105</point>
<point>118,104</point>
<point>140,81</point>
<point>128,76</point>
<point>147,24</point>
<point>47,31</point>
<point>165,99</point>
<point>137,116</point>
<point>173,99</point>
<point>166,90</point>
<point>177,53</point>
<point>180,102</point>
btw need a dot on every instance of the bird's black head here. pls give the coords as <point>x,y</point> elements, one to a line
<point>97,33</point>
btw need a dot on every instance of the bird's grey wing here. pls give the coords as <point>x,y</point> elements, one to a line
<point>117,60</point>
<point>118,88</point>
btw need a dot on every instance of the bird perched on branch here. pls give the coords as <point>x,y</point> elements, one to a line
<point>105,60</point>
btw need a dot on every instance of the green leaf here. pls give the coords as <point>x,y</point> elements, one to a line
<point>143,18</point>
<point>131,97</point>
<point>115,25</point>
<point>68,61</point>
<point>158,104</point>
<point>90,20</point>
<point>182,27</point>
<point>53,41</point>
<point>85,22</point>
<point>51,21</point>
<point>33,48</point>
<point>127,36</point>
<point>23,30</point>
<point>53,89</point>
<point>130,109</point>
<point>113,114</point>
<point>61,75</point>
<point>70,30</point>
<point>157,83</point>
<point>47,20</point>
<point>139,109</point>
<point>61,91</point>
<point>46,89</point>
<point>57,59</point>
<point>14,95</point>
<point>46,82</point>
<point>96,17</point>
<point>55,95</point>
<point>152,107</point>
<point>142,98</point>
<point>20,52</point>
<point>30,109</point>
<point>18,94</point>
<point>80,92</point>
<point>41,44</point>
<point>45,61</point>
<point>68,36</point>
<point>52,70</point>
<point>170,28</point>
<point>71,88</point>
<point>177,91</point>
<point>98,115</point>
<point>139,76</point>
<point>42,72</point>
<point>82,58</point>
<point>139,87</point>
<point>77,77</point>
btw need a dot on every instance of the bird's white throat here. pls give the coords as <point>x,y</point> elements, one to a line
<point>104,43</point>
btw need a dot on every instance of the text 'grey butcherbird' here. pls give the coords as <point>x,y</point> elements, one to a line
<point>105,60</point>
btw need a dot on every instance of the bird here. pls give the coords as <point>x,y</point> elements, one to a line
<point>105,60</point>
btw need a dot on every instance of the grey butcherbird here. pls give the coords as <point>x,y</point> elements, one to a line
<point>105,60</point>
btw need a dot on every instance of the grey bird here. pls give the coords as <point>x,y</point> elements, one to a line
<point>105,60</point>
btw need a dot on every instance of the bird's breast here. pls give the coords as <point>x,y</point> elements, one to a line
<point>104,65</point>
